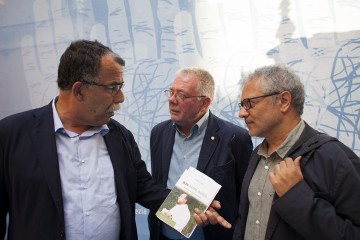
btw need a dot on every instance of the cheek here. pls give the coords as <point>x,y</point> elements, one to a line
<point>98,106</point>
<point>190,111</point>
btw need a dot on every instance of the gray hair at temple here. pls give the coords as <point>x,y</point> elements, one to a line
<point>206,86</point>
<point>278,78</point>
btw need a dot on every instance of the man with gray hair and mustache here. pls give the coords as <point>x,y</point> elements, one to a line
<point>69,171</point>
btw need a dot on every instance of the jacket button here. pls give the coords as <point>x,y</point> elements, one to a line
<point>61,234</point>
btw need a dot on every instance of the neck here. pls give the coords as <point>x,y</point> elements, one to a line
<point>186,131</point>
<point>68,114</point>
<point>280,134</point>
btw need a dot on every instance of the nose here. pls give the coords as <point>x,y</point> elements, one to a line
<point>173,99</point>
<point>119,97</point>
<point>243,113</point>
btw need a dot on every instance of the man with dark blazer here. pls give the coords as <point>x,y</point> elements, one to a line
<point>195,137</point>
<point>300,183</point>
<point>69,171</point>
<point>309,182</point>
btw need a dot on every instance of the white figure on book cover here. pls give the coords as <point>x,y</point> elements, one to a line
<point>180,213</point>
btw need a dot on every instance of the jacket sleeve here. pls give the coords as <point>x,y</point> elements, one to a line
<point>149,193</point>
<point>242,148</point>
<point>4,202</point>
<point>325,205</point>
<point>3,197</point>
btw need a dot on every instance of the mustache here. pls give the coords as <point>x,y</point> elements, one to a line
<point>114,107</point>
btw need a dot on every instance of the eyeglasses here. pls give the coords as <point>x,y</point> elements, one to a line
<point>115,88</point>
<point>246,103</point>
<point>169,93</point>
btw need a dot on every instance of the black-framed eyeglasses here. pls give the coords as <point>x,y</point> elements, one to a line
<point>169,93</point>
<point>115,88</point>
<point>246,102</point>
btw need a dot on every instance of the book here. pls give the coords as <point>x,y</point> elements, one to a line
<point>193,190</point>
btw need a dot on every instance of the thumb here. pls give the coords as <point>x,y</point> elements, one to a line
<point>297,161</point>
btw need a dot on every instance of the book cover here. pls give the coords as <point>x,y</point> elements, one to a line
<point>193,190</point>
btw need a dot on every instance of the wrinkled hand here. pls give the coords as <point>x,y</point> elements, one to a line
<point>210,216</point>
<point>286,174</point>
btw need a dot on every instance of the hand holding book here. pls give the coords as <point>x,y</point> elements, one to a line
<point>211,216</point>
<point>193,190</point>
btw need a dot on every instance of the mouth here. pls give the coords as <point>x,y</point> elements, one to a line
<point>248,123</point>
<point>113,108</point>
<point>173,111</point>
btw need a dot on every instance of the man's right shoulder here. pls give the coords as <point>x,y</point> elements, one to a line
<point>20,116</point>
<point>162,125</point>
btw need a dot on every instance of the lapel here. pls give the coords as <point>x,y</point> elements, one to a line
<point>116,148</point>
<point>44,144</point>
<point>210,141</point>
<point>120,154</point>
<point>167,149</point>
<point>307,133</point>
<point>274,218</point>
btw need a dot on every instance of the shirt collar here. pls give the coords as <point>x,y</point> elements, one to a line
<point>59,127</point>
<point>287,144</point>
<point>198,127</point>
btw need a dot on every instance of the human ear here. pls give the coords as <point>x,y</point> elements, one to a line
<point>76,90</point>
<point>206,103</point>
<point>285,101</point>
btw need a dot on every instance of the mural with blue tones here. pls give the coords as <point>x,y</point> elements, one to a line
<point>319,39</point>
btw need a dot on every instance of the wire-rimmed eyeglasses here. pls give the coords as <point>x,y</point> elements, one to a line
<point>115,88</point>
<point>246,102</point>
<point>169,93</point>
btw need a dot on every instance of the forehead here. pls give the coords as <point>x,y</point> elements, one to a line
<point>185,83</point>
<point>110,67</point>
<point>252,88</point>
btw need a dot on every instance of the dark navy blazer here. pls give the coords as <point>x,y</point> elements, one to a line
<point>30,185</point>
<point>325,205</point>
<point>224,157</point>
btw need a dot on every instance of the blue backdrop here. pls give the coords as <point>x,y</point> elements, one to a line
<point>319,39</point>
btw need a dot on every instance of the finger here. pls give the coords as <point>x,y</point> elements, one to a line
<point>277,167</point>
<point>272,177</point>
<point>297,161</point>
<point>200,218</point>
<point>289,161</point>
<point>214,218</point>
<point>285,163</point>
<point>199,221</point>
<point>224,223</point>
<point>215,204</point>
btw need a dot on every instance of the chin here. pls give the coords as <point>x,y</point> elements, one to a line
<point>173,118</point>
<point>252,132</point>
<point>105,120</point>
